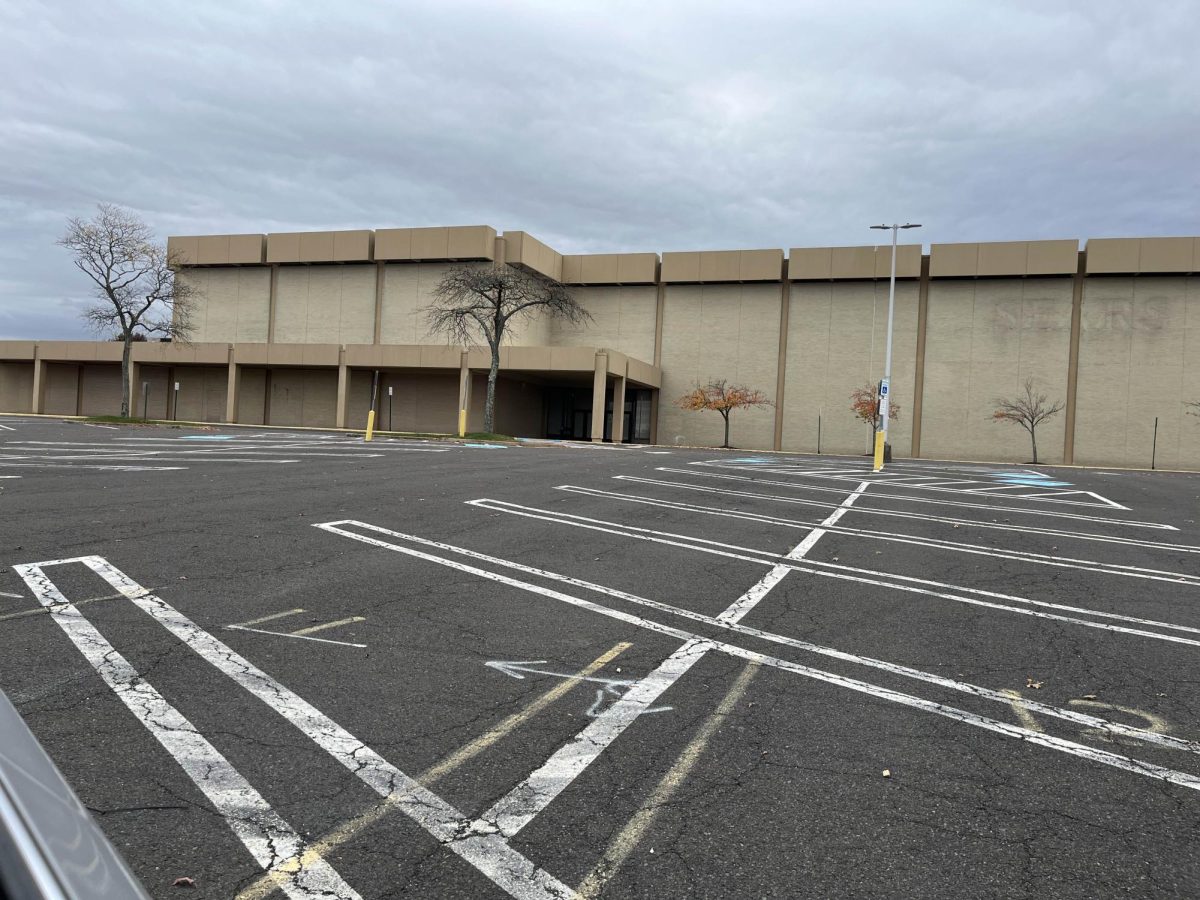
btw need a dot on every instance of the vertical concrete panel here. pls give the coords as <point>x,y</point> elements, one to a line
<point>198,280</point>
<point>984,339</point>
<point>101,390</point>
<point>320,398</point>
<point>715,331</point>
<point>519,408</point>
<point>252,399</point>
<point>421,401</point>
<point>253,304</point>
<point>16,387</point>
<point>201,393</point>
<point>216,387</point>
<point>62,383</point>
<point>1138,359</point>
<point>357,314</point>
<point>533,331</point>
<point>304,397</point>
<point>622,319</point>
<point>291,305</point>
<point>287,397</point>
<point>836,344</point>
<point>358,400</point>
<point>398,316</point>
<point>408,290</point>
<point>157,403</point>
<point>220,289</point>
<point>323,322</point>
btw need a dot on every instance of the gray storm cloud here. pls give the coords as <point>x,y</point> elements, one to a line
<point>598,127</point>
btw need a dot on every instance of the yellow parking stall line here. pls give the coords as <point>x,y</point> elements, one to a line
<point>624,843</point>
<point>270,618</point>
<point>316,628</point>
<point>321,847</point>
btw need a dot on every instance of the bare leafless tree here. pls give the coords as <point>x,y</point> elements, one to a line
<point>133,279</point>
<point>485,300</point>
<point>1027,409</point>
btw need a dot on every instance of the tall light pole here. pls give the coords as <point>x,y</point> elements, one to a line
<point>885,386</point>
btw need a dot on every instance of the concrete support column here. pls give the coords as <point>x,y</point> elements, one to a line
<point>599,391</point>
<point>785,308</point>
<point>233,389</point>
<point>135,390</point>
<point>654,415</point>
<point>464,393</point>
<point>1073,361</point>
<point>273,293</point>
<point>343,390</point>
<point>618,425</point>
<point>380,281</point>
<point>918,401</point>
<point>38,401</point>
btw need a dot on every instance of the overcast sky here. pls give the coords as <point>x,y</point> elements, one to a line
<point>597,126</point>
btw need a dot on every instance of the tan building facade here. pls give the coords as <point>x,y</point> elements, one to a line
<point>290,329</point>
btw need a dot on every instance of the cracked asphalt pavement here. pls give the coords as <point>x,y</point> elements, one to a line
<point>715,674</point>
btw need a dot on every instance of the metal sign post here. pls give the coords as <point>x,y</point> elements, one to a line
<point>175,405</point>
<point>390,408</point>
<point>145,398</point>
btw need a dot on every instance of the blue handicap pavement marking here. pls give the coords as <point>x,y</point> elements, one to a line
<point>1031,479</point>
<point>751,459</point>
<point>486,446</point>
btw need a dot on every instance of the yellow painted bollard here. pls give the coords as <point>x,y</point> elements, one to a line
<point>370,425</point>
<point>462,423</point>
<point>878,451</point>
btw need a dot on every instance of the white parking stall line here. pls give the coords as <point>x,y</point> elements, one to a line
<point>96,425</point>
<point>518,807</point>
<point>920,482</point>
<point>488,852</point>
<point>148,457</point>
<point>961,504</point>
<point>970,596</point>
<point>1029,556</point>
<point>920,517</point>
<point>750,599</point>
<point>1002,697</point>
<point>1104,757</point>
<point>10,462</point>
<point>7,428</point>
<point>299,637</point>
<point>260,829</point>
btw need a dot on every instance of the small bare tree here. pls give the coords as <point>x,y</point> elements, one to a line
<point>483,299</point>
<point>133,279</point>
<point>720,396</point>
<point>1027,409</point>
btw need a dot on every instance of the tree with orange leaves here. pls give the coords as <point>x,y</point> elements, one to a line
<point>722,397</point>
<point>864,403</point>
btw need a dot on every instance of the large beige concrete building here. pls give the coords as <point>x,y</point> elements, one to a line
<point>290,328</point>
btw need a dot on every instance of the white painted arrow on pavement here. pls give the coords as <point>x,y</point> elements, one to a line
<point>612,687</point>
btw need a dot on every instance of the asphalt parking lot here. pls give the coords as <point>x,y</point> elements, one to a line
<point>296,664</point>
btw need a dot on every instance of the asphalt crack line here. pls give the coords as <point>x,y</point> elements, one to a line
<point>260,829</point>
<point>620,848</point>
<point>486,851</point>
<point>344,832</point>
